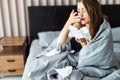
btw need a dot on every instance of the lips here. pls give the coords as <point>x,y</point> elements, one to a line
<point>82,19</point>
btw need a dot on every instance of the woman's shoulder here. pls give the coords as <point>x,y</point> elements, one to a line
<point>106,23</point>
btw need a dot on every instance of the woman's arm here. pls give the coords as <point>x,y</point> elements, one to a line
<point>63,36</point>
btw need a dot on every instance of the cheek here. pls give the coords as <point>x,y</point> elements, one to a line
<point>87,17</point>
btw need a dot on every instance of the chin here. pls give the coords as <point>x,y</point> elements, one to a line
<point>84,23</point>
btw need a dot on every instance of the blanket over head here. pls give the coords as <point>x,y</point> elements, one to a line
<point>93,62</point>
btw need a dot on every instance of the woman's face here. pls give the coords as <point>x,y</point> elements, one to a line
<point>82,13</point>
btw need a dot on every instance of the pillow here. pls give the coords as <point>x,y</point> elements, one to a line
<point>117,51</point>
<point>45,38</point>
<point>116,33</point>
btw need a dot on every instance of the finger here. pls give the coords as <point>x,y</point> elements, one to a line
<point>75,13</point>
<point>72,11</point>
<point>77,17</point>
<point>77,40</point>
<point>83,44</point>
<point>76,20</point>
<point>83,40</point>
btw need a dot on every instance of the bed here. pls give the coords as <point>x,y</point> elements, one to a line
<point>51,19</point>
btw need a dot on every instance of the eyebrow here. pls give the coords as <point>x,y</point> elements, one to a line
<point>80,9</point>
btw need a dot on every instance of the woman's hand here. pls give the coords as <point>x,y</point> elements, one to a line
<point>82,41</point>
<point>73,18</point>
<point>63,36</point>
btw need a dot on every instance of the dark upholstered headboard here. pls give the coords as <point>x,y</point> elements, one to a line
<point>47,18</point>
<point>51,18</point>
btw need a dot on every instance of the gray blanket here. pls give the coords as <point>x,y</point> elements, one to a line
<point>95,61</point>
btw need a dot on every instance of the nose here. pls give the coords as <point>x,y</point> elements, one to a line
<point>80,14</point>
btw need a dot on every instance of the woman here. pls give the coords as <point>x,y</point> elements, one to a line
<point>97,52</point>
<point>93,62</point>
<point>89,14</point>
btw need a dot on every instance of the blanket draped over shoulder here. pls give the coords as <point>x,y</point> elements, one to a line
<point>95,61</point>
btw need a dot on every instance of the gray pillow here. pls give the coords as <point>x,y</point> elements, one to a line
<point>116,33</point>
<point>117,51</point>
<point>45,38</point>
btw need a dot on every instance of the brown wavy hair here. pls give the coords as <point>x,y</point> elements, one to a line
<point>94,10</point>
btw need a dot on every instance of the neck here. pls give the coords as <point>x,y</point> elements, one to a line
<point>87,25</point>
